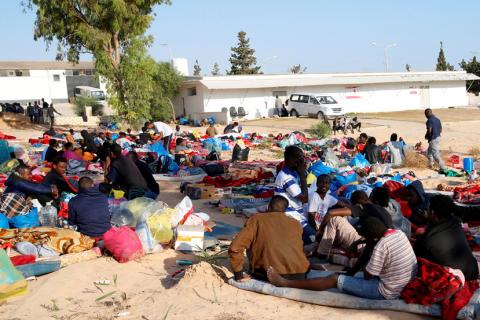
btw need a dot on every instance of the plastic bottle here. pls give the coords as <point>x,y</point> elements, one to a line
<point>48,216</point>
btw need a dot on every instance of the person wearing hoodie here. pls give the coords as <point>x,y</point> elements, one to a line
<point>381,196</point>
<point>88,141</point>
<point>419,203</point>
<point>444,241</point>
<point>89,210</point>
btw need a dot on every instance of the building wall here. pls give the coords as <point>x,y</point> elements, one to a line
<point>186,104</point>
<point>360,98</point>
<point>40,84</point>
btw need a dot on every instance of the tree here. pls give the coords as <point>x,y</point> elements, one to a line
<point>216,70</point>
<point>60,53</point>
<point>243,59</point>
<point>197,70</point>
<point>297,69</point>
<point>473,66</point>
<point>167,81</point>
<point>442,64</point>
<point>114,33</point>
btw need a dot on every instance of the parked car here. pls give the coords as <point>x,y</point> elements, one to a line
<point>91,92</point>
<point>313,105</point>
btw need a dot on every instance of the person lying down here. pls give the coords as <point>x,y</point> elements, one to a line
<point>391,267</point>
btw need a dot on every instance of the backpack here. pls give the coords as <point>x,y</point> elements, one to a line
<point>213,156</point>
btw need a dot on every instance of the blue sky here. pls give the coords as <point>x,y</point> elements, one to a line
<point>324,36</point>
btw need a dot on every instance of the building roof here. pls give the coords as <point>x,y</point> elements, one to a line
<point>303,80</point>
<point>45,65</point>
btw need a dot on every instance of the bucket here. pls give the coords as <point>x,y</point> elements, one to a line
<point>468,164</point>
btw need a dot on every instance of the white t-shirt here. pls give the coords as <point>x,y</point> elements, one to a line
<point>320,206</point>
<point>164,128</point>
<point>287,185</point>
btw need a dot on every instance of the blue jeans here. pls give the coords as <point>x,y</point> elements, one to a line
<point>308,235</point>
<point>360,287</point>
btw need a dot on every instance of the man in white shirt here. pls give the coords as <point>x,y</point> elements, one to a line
<point>166,132</point>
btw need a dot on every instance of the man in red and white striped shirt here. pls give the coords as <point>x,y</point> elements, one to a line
<point>391,267</point>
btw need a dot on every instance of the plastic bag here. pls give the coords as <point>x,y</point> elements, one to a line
<point>184,209</point>
<point>161,226</point>
<point>344,178</point>
<point>4,221</point>
<point>48,216</point>
<point>121,216</point>
<point>28,220</point>
<point>318,168</point>
<point>12,283</point>
<point>123,243</point>
<point>331,159</point>
<point>137,207</point>
<point>359,161</point>
<point>158,148</point>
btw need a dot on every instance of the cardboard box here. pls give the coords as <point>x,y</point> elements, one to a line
<point>203,191</point>
<point>189,238</point>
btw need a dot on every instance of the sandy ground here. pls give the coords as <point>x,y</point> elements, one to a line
<point>144,289</point>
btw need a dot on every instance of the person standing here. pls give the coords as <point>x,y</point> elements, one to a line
<point>45,111</point>
<point>434,131</point>
<point>165,131</point>
<point>51,114</point>
<point>278,105</point>
<point>30,112</point>
<point>36,113</point>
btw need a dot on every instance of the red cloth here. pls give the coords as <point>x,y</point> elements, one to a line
<point>221,182</point>
<point>4,136</point>
<point>470,194</point>
<point>435,284</point>
<point>37,178</point>
<point>25,259</point>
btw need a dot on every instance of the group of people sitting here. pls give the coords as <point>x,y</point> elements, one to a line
<point>396,149</point>
<point>300,224</point>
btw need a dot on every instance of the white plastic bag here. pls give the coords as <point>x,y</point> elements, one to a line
<point>183,208</point>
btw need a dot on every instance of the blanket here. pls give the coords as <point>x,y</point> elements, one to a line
<point>333,298</point>
<point>61,240</point>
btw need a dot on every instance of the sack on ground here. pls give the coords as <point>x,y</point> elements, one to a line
<point>12,282</point>
<point>28,220</point>
<point>123,243</point>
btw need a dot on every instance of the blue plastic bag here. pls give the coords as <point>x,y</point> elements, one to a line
<point>318,168</point>
<point>183,121</point>
<point>4,222</point>
<point>28,220</point>
<point>212,144</point>
<point>345,178</point>
<point>159,149</point>
<point>225,146</point>
<point>359,161</point>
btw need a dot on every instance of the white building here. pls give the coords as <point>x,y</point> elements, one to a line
<point>357,92</point>
<point>28,81</point>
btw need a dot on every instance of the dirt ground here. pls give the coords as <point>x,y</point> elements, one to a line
<point>144,289</point>
<point>448,115</point>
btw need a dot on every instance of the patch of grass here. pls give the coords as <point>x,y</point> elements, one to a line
<point>265,144</point>
<point>205,256</point>
<point>475,152</point>
<point>415,160</point>
<point>105,296</point>
<point>52,307</point>
<point>320,130</point>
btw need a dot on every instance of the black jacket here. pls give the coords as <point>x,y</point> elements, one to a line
<point>125,174</point>
<point>51,154</point>
<point>147,175</point>
<point>54,178</point>
<point>445,244</point>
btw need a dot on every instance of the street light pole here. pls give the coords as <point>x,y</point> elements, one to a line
<point>385,53</point>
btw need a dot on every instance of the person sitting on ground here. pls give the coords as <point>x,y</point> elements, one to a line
<point>396,150</point>
<point>20,182</point>
<point>355,124</point>
<point>51,132</point>
<point>178,132</point>
<point>131,135</point>
<point>231,128</point>
<point>51,152</point>
<point>339,124</point>
<point>57,177</point>
<point>362,141</point>
<point>419,203</point>
<point>320,201</point>
<point>381,197</point>
<point>69,136</point>
<point>144,137</point>
<point>372,151</point>
<point>391,267</point>
<point>88,141</point>
<point>145,171</point>
<point>272,239</point>
<point>291,183</point>
<point>181,146</point>
<point>444,241</point>
<point>337,231</point>
<point>211,130</point>
<point>124,174</point>
<point>99,139</point>
<point>89,210</point>
<point>69,153</point>
<point>123,141</point>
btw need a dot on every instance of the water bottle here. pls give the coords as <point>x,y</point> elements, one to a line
<point>48,216</point>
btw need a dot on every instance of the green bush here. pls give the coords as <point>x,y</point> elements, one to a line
<point>320,130</point>
<point>82,102</point>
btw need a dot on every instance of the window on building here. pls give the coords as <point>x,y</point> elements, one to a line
<point>75,72</point>
<point>88,72</point>
<point>69,73</point>
<point>56,77</point>
<point>18,73</point>
<point>192,91</point>
<point>279,93</point>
